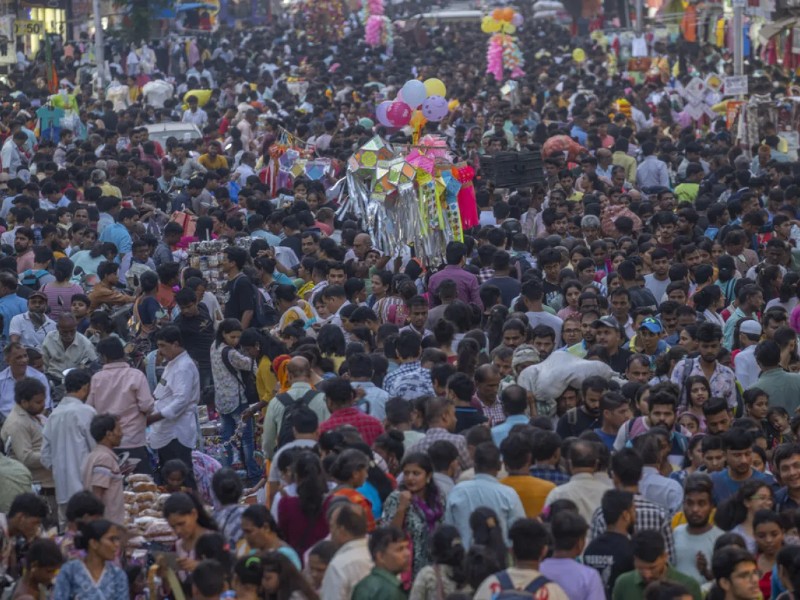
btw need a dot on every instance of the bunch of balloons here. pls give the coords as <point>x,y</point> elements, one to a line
<point>377,27</point>
<point>416,102</point>
<point>503,53</point>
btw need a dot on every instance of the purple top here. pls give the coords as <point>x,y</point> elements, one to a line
<point>577,580</point>
<point>466,284</point>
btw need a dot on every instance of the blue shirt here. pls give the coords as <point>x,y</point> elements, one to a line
<point>11,306</point>
<point>484,490</point>
<point>501,431</point>
<point>118,235</point>
<point>725,487</point>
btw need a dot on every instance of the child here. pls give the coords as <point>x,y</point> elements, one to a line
<point>101,472</point>
<point>713,454</point>
<point>779,430</point>
<point>208,581</point>
<point>80,310</point>
<point>690,423</point>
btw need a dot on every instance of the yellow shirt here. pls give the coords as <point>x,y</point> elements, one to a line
<point>532,491</point>
<point>212,164</point>
<point>266,381</point>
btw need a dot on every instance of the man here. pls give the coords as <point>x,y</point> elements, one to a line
<point>484,490</point>
<point>717,415</point>
<point>651,172</point>
<point>135,264</point>
<point>487,383</point>
<point>67,440</point>
<point>787,461</point>
<point>23,524</point>
<point>514,400</point>
<point>12,155</point>
<point>119,233</point>
<point>615,410</point>
<point>782,387</point>
<point>197,329</point>
<point>171,236</point>
<point>721,378</point>
<point>173,431</point>
<point>608,334</point>
<point>391,554</point>
<point>746,366</point>
<point>529,545</point>
<point>455,255</point>
<point>736,573</point>
<point>300,392</point>
<point>372,400</point>
<point>626,468</point>
<point>16,357</point>
<point>694,541</point>
<point>658,280</point>
<point>653,485</point>
<point>546,454</point>
<point>65,348</point>
<point>737,444</point>
<point>587,415</point>
<point>440,420</point>
<point>650,564</point>
<point>16,480</point>
<point>533,296</point>
<point>101,472</point>
<point>532,491</point>
<point>640,297</point>
<point>22,437</point>
<point>11,305</point>
<point>305,428</point>
<point>352,561</point>
<point>38,275</point>
<point>751,299</point>
<point>569,539</point>
<point>509,286</point>
<point>340,398</point>
<point>583,488</point>
<point>410,380</point>
<point>621,158</point>
<point>196,115</point>
<point>123,391</point>
<point>242,295</point>
<point>31,327</point>
<point>611,552</point>
<point>106,291</point>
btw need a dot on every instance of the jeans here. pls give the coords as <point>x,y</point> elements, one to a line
<point>244,447</point>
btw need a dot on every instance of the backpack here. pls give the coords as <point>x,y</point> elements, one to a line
<point>290,406</point>
<point>509,592</point>
<point>264,315</point>
<point>30,278</point>
<point>245,379</point>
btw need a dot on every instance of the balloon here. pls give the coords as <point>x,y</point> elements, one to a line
<point>490,25</point>
<point>380,113</point>
<point>509,28</point>
<point>578,55</point>
<point>398,114</point>
<point>435,87</point>
<point>413,93</point>
<point>507,14</point>
<point>517,20</point>
<point>435,108</point>
<point>497,13</point>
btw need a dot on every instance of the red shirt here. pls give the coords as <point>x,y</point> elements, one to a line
<point>299,531</point>
<point>369,427</point>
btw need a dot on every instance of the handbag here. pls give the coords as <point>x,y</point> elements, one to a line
<point>245,379</point>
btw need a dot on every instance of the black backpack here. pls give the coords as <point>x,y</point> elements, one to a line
<point>264,315</point>
<point>509,592</point>
<point>32,277</point>
<point>290,406</point>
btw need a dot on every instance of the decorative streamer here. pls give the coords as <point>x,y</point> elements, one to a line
<point>503,52</point>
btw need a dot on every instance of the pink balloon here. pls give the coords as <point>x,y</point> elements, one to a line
<point>435,108</point>
<point>399,114</point>
<point>380,113</point>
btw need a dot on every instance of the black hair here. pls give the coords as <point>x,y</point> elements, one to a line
<point>382,538</point>
<point>181,503</point>
<point>91,530</point>
<point>102,425</point>
<point>486,531</point>
<point>214,546</point>
<point>209,578</point>
<point>227,486</point>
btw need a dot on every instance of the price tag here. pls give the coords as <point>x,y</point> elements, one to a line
<point>22,27</point>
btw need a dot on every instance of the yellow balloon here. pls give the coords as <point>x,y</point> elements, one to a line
<point>453,104</point>
<point>486,24</point>
<point>509,28</point>
<point>435,87</point>
<point>578,55</point>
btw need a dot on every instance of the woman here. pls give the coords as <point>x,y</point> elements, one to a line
<point>319,557</point>
<point>699,393</point>
<point>756,405</point>
<point>301,518</point>
<point>283,581</point>
<point>417,508</point>
<point>572,291</point>
<point>261,535</point>
<point>60,292</point>
<point>736,514</point>
<point>292,308</point>
<point>693,459</point>
<point>230,368</point>
<point>94,577</point>
<point>42,562</point>
<point>447,574</point>
<point>189,520</point>
<point>247,575</point>
<point>787,295</point>
<point>349,469</point>
<point>770,280</point>
<point>388,307</point>
<point>331,343</point>
<point>486,531</point>
<point>444,333</point>
<point>769,531</point>
<point>148,314</point>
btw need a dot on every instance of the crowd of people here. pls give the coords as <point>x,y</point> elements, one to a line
<point>594,396</point>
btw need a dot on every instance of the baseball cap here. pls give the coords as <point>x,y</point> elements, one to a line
<point>750,327</point>
<point>607,321</point>
<point>652,325</point>
<point>41,295</point>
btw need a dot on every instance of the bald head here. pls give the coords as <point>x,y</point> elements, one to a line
<point>583,456</point>
<point>298,369</point>
<point>362,244</point>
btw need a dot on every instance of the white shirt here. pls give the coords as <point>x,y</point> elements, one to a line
<point>176,397</point>
<point>29,335</point>
<point>351,563</point>
<point>747,369</point>
<point>67,442</point>
<point>199,118</point>
<point>7,383</point>
<point>157,92</point>
<point>687,546</point>
<point>11,157</point>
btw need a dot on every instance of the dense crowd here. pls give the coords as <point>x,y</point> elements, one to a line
<point>217,384</point>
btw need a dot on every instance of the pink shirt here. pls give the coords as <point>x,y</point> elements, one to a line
<point>101,469</point>
<point>123,391</point>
